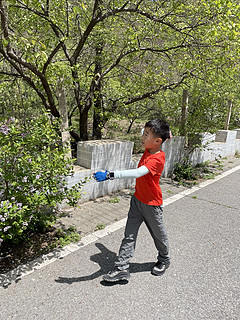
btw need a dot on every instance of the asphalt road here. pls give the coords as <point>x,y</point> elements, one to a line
<point>201,283</point>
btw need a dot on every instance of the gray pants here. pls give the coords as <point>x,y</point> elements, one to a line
<point>152,216</point>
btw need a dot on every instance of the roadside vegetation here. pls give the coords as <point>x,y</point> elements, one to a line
<point>33,168</point>
<point>72,71</point>
<point>188,175</point>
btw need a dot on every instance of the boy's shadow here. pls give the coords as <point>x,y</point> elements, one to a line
<point>105,259</point>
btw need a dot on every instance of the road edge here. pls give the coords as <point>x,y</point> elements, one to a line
<point>23,270</point>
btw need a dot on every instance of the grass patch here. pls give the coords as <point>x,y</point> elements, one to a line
<point>65,237</point>
<point>100,226</point>
<point>114,200</point>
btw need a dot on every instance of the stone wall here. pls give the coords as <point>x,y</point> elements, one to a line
<point>117,155</point>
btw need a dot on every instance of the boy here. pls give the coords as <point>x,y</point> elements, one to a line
<point>146,203</point>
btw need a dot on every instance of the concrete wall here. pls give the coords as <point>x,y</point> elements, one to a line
<point>222,144</point>
<point>116,154</point>
<point>101,155</point>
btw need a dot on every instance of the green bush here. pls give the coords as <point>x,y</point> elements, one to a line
<point>183,171</point>
<point>33,168</point>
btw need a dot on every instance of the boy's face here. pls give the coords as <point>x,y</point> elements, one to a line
<point>149,140</point>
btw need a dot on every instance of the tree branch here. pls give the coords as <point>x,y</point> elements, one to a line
<point>14,60</point>
<point>10,74</point>
<point>152,93</point>
<point>124,54</point>
<point>44,15</point>
<point>46,64</point>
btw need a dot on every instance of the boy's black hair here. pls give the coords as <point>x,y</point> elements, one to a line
<point>160,128</point>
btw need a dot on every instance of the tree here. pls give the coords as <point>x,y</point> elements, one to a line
<point>110,53</point>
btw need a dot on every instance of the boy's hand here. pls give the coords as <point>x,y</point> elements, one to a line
<point>101,176</point>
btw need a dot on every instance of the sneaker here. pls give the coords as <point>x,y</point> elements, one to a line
<point>117,275</point>
<point>160,268</point>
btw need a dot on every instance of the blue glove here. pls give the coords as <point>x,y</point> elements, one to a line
<point>101,176</point>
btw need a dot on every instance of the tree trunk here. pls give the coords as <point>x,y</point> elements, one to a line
<point>97,128</point>
<point>184,113</point>
<point>99,112</point>
<point>66,141</point>
<point>98,115</point>
<point>228,117</point>
<point>84,124</point>
<point>130,126</point>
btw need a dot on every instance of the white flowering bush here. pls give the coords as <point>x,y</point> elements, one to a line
<point>33,168</point>
<point>13,220</point>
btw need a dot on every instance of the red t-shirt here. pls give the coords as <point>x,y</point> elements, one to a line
<point>147,189</point>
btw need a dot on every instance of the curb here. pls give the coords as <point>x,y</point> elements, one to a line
<point>21,271</point>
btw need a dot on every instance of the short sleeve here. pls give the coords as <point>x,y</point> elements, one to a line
<point>155,164</point>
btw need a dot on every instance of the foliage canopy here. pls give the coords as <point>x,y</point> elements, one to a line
<point>114,54</point>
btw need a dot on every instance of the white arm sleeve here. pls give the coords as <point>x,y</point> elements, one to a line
<point>132,173</point>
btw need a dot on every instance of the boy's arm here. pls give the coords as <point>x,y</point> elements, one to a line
<point>119,174</point>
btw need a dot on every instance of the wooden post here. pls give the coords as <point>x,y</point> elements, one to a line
<point>184,112</point>
<point>228,117</point>
<point>64,118</point>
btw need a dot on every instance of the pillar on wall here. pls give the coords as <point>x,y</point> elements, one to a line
<point>105,154</point>
<point>238,133</point>
<point>225,135</point>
